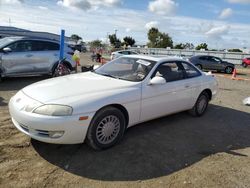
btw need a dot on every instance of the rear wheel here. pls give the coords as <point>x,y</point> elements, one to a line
<point>106,128</point>
<point>200,106</point>
<point>61,70</point>
<point>199,66</point>
<point>244,65</point>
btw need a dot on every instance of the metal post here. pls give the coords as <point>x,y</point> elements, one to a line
<point>62,44</point>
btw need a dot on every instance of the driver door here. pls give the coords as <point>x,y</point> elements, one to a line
<point>168,98</point>
<point>19,59</point>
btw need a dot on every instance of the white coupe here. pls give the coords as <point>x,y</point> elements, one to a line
<point>97,107</point>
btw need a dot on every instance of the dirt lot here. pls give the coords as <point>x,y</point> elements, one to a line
<point>175,151</point>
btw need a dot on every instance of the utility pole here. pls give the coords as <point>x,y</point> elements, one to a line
<point>9,22</point>
<point>107,38</point>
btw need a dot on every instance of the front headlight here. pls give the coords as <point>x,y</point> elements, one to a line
<point>54,110</point>
<point>32,106</point>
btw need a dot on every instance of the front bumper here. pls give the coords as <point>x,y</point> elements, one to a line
<point>40,127</point>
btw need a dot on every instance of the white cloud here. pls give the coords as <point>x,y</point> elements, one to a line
<point>43,8</point>
<point>151,24</point>
<point>78,4</point>
<point>163,7</point>
<point>226,13</point>
<point>88,4</point>
<point>91,26</point>
<point>128,30</point>
<point>11,1</point>
<point>218,31</point>
<point>239,1</point>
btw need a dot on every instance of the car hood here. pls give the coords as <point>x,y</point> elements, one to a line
<point>74,85</point>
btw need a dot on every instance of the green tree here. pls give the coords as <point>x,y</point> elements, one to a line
<point>202,46</point>
<point>234,50</point>
<point>189,46</point>
<point>179,46</point>
<point>114,41</point>
<point>159,39</point>
<point>129,41</point>
<point>75,37</point>
<point>96,44</point>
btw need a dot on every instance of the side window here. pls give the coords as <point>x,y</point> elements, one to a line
<point>203,58</point>
<point>171,71</point>
<point>191,72</point>
<point>45,46</point>
<point>216,59</point>
<point>125,52</point>
<point>21,46</point>
<point>213,59</point>
<point>53,46</point>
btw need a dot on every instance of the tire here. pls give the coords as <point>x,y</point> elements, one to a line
<point>110,119</point>
<point>229,70</point>
<point>199,66</point>
<point>201,105</point>
<point>56,72</point>
<point>244,65</point>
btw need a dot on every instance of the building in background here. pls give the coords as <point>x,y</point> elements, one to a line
<point>6,31</point>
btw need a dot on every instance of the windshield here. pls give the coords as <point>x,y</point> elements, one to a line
<point>5,41</point>
<point>125,68</point>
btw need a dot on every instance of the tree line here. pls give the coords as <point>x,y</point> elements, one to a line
<point>156,39</point>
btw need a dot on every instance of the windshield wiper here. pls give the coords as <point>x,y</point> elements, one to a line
<point>109,75</point>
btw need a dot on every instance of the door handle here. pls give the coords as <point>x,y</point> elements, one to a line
<point>29,55</point>
<point>187,86</point>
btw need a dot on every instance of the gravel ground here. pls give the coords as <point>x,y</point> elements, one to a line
<point>174,151</point>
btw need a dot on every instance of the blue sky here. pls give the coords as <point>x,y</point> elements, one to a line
<point>220,23</point>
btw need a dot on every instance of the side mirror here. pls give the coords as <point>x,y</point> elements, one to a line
<point>7,50</point>
<point>158,80</point>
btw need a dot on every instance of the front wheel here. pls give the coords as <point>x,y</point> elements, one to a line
<point>200,106</point>
<point>229,70</point>
<point>106,128</point>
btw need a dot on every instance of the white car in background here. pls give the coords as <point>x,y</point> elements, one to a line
<point>97,107</point>
<point>117,54</point>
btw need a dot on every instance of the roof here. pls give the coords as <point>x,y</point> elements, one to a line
<point>31,38</point>
<point>13,31</point>
<point>8,28</point>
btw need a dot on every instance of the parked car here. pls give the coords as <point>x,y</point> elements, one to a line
<point>117,54</point>
<point>79,47</point>
<point>206,62</point>
<point>117,95</point>
<point>22,56</point>
<point>246,62</point>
